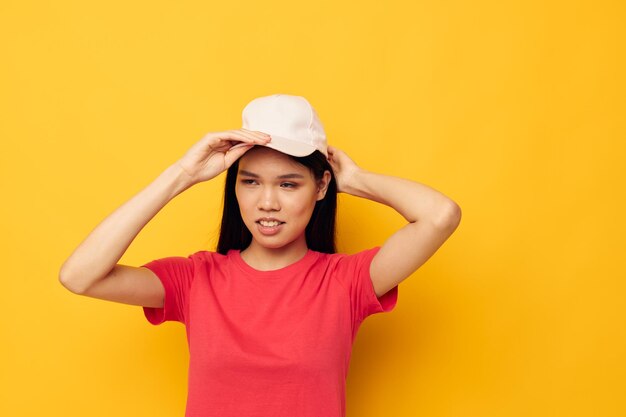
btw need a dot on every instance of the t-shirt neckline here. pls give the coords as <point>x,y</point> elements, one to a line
<point>309,258</point>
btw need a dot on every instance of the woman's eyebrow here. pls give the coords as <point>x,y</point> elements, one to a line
<point>300,176</point>
<point>253,175</point>
<point>248,173</point>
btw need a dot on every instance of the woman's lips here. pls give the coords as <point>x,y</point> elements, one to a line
<point>269,230</point>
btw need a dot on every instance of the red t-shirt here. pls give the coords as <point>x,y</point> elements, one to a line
<point>268,343</point>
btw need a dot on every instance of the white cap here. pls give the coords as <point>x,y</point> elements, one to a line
<point>291,121</point>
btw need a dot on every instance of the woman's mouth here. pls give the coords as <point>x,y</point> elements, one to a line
<point>269,227</point>
<point>269,223</point>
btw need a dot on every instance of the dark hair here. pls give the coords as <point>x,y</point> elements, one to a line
<point>320,231</point>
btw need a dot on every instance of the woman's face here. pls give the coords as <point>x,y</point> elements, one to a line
<point>276,197</point>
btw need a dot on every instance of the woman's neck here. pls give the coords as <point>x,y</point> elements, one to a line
<point>268,259</point>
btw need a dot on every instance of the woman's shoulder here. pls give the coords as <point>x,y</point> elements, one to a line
<point>350,257</point>
<point>205,255</point>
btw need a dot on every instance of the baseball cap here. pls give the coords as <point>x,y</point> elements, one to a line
<point>290,120</point>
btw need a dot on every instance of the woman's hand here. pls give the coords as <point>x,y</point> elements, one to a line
<point>217,151</point>
<point>344,168</point>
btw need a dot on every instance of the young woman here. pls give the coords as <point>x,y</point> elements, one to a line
<point>272,313</point>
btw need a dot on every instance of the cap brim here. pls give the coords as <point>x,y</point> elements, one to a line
<point>284,145</point>
<point>290,147</point>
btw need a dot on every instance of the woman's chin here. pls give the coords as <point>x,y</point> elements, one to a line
<point>273,241</point>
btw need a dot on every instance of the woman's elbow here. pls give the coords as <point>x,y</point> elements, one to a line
<point>449,216</point>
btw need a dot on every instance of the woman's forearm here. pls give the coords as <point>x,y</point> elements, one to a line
<point>413,200</point>
<point>98,254</point>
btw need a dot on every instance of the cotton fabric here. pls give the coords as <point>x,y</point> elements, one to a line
<point>268,343</point>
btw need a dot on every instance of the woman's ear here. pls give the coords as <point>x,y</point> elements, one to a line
<point>322,185</point>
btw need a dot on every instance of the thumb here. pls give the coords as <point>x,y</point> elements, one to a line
<point>235,152</point>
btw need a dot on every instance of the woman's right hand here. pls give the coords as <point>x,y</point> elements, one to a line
<point>217,151</point>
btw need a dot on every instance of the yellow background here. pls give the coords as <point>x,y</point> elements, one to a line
<point>513,109</point>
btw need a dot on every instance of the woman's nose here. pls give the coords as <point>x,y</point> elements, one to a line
<point>268,200</point>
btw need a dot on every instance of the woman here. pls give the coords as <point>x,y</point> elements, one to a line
<point>271,315</point>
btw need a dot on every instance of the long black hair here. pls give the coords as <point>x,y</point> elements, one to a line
<point>320,231</point>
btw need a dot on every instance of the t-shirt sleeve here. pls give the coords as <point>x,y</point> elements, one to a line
<point>354,271</point>
<point>176,274</point>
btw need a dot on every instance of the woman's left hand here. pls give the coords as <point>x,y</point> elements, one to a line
<point>344,168</point>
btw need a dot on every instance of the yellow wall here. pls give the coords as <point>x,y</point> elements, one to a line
<point>515,110</point>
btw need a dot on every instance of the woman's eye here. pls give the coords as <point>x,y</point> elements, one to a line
<point>288,184</point>
<point>247,181</point>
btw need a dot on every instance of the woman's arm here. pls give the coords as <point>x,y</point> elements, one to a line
<point>94,262</point>
<point>99,253</point>
<point>432,218</point>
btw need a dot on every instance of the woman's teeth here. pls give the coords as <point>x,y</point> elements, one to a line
<point>269,224</point>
